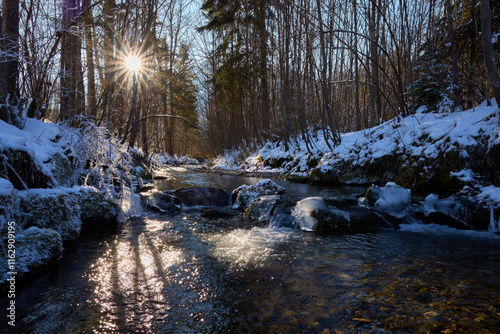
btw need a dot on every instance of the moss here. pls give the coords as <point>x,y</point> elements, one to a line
<point>60,212</point>
<point>22,171</point>
<point>35,247</point>
<point>97,212</point>
<point>322,176</point>
<point>61,169</point>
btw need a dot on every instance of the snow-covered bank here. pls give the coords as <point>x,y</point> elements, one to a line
<point>55,183</point>
<point>430,153</point>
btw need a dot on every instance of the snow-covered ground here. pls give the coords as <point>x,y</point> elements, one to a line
<point>421,134</point>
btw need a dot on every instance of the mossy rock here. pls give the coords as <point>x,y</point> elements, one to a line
<point>97,213</point>
<point>61,169</point>
<point>57,211</point>
<point>35,247</point>
<point>22,171</point>
<point>324,176</point>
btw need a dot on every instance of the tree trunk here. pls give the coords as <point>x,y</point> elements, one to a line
<point>457,88</point>
<point>91,90</point>
<point>489,54</point>
<point>10,32</point>
<point>72,92</point>
<point>265,109</point>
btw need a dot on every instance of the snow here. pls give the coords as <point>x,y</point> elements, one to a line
<point>6,188</point>
<point>489,193</point>
<point>393,197</point>
<point>306,211</point>
<point>37,138</point>
<point>421,135</point>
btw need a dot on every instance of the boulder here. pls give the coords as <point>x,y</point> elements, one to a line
<point>440,218</point>
<point>35,247</point>
<point>456,211</point>
<point>66,210</point>
<point>316,214</point>
<point>244,195</point>
<point>96,212</point>
<point>163,202</point>
<point>52,209</point>
<point>391,197</point>
<point>267,208</point>
<point>202,196</point>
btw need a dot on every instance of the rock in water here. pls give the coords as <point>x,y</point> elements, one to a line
<point>163,202</point>
<point>202,196</point>
<point>244,195</point>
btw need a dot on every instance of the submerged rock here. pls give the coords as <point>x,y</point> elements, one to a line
<point>202,196</point>
<point>218,213</point>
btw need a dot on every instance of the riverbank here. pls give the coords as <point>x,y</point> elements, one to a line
<point>453,156</point>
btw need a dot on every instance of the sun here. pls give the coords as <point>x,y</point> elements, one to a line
<point>133,63</point>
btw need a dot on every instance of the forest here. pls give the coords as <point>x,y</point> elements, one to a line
<point>220,74</point>
<point>250,166</point>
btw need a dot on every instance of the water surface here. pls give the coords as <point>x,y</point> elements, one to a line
<point>184,274</point>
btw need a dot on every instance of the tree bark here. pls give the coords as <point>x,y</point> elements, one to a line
<point>457,88</point>
<point>10,32</point>
<point>489,54</point>
<point>91,90</point>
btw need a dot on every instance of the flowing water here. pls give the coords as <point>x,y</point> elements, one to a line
<point>184,274</point>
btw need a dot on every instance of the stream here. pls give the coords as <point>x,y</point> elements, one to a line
<point>182,273</point>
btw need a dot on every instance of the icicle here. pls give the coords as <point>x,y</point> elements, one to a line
<point>492,227</point>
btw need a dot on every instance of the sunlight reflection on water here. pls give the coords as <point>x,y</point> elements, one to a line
<point>145,280</point>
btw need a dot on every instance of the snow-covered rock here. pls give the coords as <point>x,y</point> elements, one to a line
<point>391,197</point>
<point>163,202</point>
<point>65,210</point>
<point>35,247</point>
<point>314,214</point>
<point>244,195</point>
<point>319,215</point>
<point>53,209</point>
<point>271,209</point>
